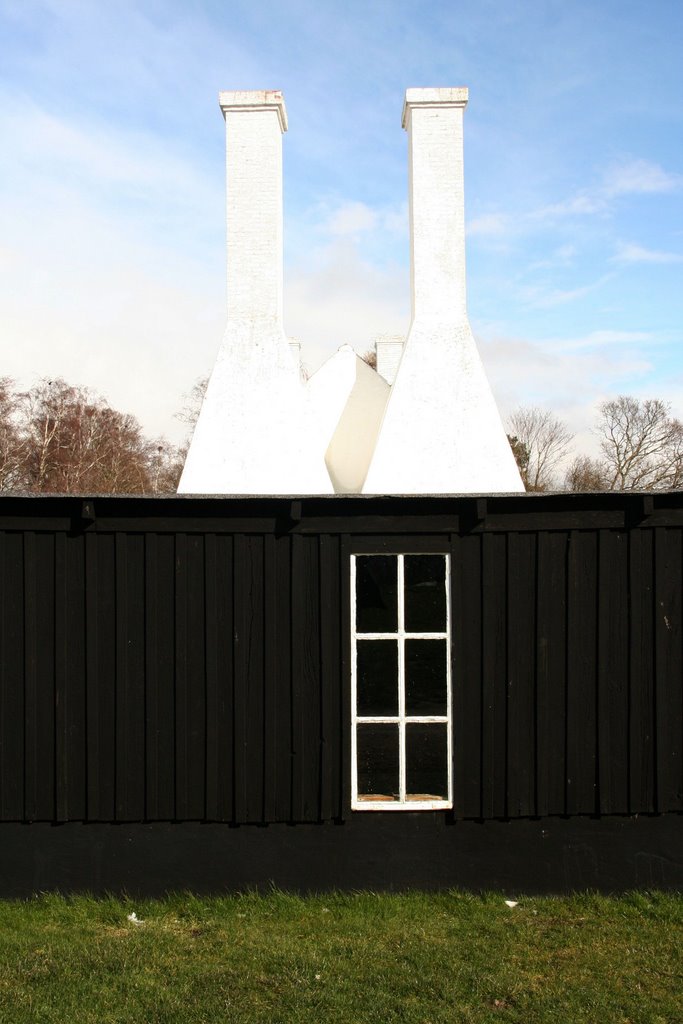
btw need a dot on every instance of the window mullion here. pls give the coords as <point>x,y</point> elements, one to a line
<point>401,682</point>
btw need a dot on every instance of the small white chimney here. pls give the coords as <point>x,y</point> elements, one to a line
<point>255,433</point>
<point>388,352</point>
<point>441,433</point>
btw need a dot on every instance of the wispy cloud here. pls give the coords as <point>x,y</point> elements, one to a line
<point>628,252</point>
<point>351,219</point>
<point>490,225</point>
<point>537,297</point>
<point>634,177</point>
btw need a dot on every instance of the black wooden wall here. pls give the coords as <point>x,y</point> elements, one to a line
<point>187,659</point>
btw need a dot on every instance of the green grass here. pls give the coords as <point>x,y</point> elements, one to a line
<point>343,958</point>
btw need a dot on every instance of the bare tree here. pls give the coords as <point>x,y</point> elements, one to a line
<point>12,447</point>
<point>193,402</point>
<point>74,442</point>
<point>544,442</point>
<point>370,357</point>
<point>586,474</point>
<point>641,444</point>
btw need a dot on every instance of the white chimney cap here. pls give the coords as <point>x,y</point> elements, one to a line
<point>255,99</point>
<point>450,97</point>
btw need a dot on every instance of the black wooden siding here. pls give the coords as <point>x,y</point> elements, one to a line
<point>187,659</point>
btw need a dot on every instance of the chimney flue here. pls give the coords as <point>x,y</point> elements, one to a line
<point>254,125</point>
<point>433,119</point>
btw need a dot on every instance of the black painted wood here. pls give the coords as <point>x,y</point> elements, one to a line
<point>378,852</point>
<point>160,740</point>
<point>189,666</point>
<point>521,676</point>
<point>494,638</point>
<point>467,676</point>
<point>332,710</point>
<point>612,664</point>
<point>219,679</point>
<point>69,693</point>
<point>669,669</point>
<point>12,677</point>
<point>248,708</point>
<point>581,778</point>
<point>190,680</point>
<point>306,702</point>
<point>551,673</point>
<point>130,678</point>
<point>641,673</point>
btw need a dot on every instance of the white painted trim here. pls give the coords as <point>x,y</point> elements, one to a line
<point>401,719</point>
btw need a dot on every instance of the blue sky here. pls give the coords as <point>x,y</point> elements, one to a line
<point>112,254</point>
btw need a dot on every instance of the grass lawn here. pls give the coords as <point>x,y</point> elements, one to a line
<point>343,958</point>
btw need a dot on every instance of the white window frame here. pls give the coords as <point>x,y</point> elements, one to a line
<point>401,719</point>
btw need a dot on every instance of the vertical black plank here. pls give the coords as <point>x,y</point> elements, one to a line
<point>521,674</point>
<point>160,676</point>
<point>130,677</point>
<point>613,672</point>
<point>277,666</point>
<point>330,677</point>
<point>467,633</point>
<point>11,677</point>
<point>305,679</point>
<point>219,682</point>
<point>70,715</point>
<point>641,673</point>
<point>101,675</point>
<point>345,722</point>
<point>494,676</point>
<point>248,599</point>
<point>669,670</point>
<point>582,789</point>
<point>551,665</point>
<point>190,678</point>
<point>39,625</point>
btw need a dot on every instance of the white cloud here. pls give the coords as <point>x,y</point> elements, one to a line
<point>352,219</point>
<point>639,176</point>
<point>536,297</point>
<point>628,252</point>
<point>489,225</point>
<point>339,298</point>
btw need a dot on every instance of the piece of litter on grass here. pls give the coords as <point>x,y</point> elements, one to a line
<point>134,919</point>
<point>510,903</point>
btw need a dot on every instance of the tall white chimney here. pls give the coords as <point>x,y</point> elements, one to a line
<point>255,433</point>
<point>441,432</point>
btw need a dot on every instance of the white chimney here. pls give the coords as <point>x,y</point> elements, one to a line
<point>441,432</point>
<point>255,433</point>
<point>388,352</point>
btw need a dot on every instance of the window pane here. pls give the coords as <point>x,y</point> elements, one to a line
<point>377,677</point>
<point>426,677</point>
<point>426,762</point>
<point>425,593</point>
<point>376,590</point>
<point>377,747</point>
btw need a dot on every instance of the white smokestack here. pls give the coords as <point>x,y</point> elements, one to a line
<point>255,433</point>
<point>441,432</point>
<point>433,119</point>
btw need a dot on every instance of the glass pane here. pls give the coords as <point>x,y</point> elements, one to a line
<point>426,677</point>
<point>376,590</point>
<point>377,750</point>
<point>426,762</point>
<point>377,677</point>
<point>425,593</point>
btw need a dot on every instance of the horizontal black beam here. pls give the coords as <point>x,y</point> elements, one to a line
<point>379,852</point>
